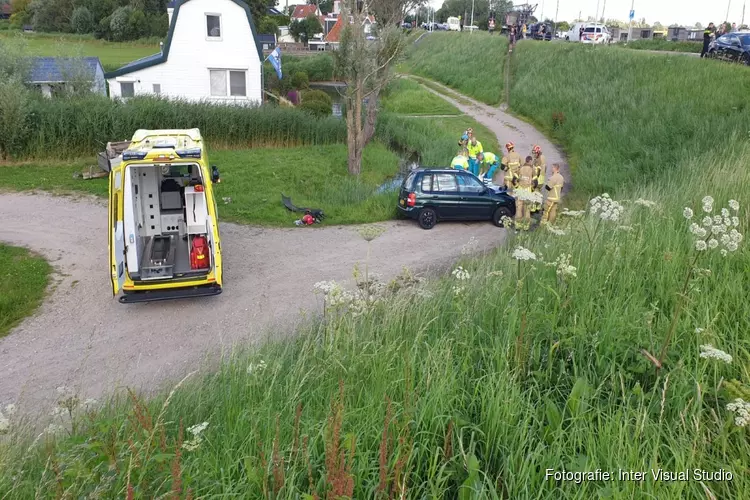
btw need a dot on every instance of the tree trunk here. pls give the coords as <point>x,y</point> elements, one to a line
<point>354,133</point>
<point>372,115</point>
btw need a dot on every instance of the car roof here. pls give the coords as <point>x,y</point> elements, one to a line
<point>438,169</point>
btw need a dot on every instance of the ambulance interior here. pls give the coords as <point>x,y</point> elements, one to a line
<point>168,231</point>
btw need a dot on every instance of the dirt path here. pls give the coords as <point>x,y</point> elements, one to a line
<point>507,128</point>
<point>84,338</point>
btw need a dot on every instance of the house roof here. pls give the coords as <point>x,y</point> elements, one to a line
<point>267,38</point>
<point>335,34</point>
<point>272,11</point>
<point>52,69</point>
<point>162,57</point>
<point>302,11</point>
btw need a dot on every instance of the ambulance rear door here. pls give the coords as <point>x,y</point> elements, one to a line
<point>116,229</point>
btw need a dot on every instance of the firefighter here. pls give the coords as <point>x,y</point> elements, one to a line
<point>475,148</point>
<point>554,194</point>
<point>460,161</point>
<point>540,170</point>
<point>524,182</point>
<point>510,164</point>
<point>490,162</point>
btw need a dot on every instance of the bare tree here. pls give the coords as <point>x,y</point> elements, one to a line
<point>366,65</point>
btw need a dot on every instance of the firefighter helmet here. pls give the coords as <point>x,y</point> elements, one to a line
<point>536,150</point>
<point>509,146</point>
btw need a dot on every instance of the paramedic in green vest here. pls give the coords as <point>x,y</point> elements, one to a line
<point>475,148</point>
<point>489,164</point>
<point>460,161</point>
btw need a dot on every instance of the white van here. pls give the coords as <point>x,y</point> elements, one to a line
<point>573,35</point>
<point>596,33</point>
<point>454,24</point>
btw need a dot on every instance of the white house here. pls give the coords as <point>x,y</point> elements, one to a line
<point>212,52</point>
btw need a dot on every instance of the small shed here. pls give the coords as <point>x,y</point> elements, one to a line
<point>52,75</point>
<point>267,41</point>
<point>677,33</point>
<point>695,35</point>
<point>643,33</point>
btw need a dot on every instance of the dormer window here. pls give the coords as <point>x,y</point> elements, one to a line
<point>213,26</point>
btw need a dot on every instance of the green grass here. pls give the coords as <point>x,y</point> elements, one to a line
<point>23,283</point>
<point>490,386</point>
<point>665,45</point>
<point>409,98</point>
<point>254,179</point>
<point>113,55</point>
<point>440,88</point>
<point>434,139</point>
<point>472,63</point>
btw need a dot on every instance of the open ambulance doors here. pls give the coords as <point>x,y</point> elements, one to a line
<point>116,230</point>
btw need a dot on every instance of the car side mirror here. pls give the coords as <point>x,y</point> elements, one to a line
<point>215,177</point>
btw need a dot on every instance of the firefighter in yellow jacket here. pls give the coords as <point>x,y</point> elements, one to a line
<point>554,188</point>
<point>524,182</point>
<point>460,161</point>
<point>510,164</point>
<point>540,171</point>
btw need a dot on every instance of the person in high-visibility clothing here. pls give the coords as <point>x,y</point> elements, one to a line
<point>460,161</point>
<point>510,164</point>
<point>524,187</point>
<point>540,171</point>
<point>489,164</point>
<point>554,188</point>
<point>474,147</point>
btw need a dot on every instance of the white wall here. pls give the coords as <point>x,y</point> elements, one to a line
<point>186,73</point>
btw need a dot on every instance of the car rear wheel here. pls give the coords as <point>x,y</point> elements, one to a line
<point>427,218</point>
<point>499,215</point>
<point>746,59</point>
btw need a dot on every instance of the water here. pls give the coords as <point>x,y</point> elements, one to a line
<point>332,89</point>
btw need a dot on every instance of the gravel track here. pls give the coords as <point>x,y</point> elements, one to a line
<point>82,337</point>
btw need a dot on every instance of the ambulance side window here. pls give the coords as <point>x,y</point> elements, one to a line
<point>115,210</point>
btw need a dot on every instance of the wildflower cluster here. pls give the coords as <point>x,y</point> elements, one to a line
<point>333,293</point>
<point>573,213</point>
<point>563,267</point>
<point>196,430</point>
<point>461,274</point>
<point>369,233</point>
<point>256,367</point>
<point>710,352</point>
<point>606,208</point>
<point>521,253</point>
<point>470,247</point>
<point>742,409</point>
<point>530,196</point>
<point>555,231</point>
<point>717,230</point>
<point>645,203</point>
<point>5,415</point>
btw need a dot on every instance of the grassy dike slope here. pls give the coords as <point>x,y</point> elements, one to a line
<point>477,390</point>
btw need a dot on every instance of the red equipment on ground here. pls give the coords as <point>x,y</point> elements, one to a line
<point>308,219</point>
<point>199,253</point>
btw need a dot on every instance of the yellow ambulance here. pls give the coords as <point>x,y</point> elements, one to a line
<point>163,227</point>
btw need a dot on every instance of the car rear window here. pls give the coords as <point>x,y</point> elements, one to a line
<point>591,29</point>
<point>445,183</point>
<point>426,183</point>
<point>409,181</point>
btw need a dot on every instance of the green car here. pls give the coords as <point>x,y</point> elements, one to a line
<point>431,195</point>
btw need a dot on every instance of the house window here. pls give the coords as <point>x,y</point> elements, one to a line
<point>213,26</point>
<point>157,88</point>
<point>127,89</point>
<point>237,81</point>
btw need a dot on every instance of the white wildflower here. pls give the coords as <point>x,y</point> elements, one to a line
<point>4,423</point>
<point>564,269</point>
<point>572,213</point>
<point>723,252</point>
<point>493,274</point>
<point>734,205</point>
<point>700,245</point>
<point>606,208</point>
<point>735,236</point>
<point>742,409</point>
<point>699,330</point>
<point>735,221</point>
<point>89,404</point>
<point>256,367</point>
<point>708,204</point>
<point>470,246</point>
<point>461,274</point>
<point>197,429</point>
<point>712,243</point>
<point>707,222</point>
<point>521,253</point>
<point>555,231</point>
<point>687,213</point>
<point>458,290</point>
<point>718,230</point>
<point>732,247</point>
<point>58,412</point>
<point>710,352</point>
<point>192,445</point>
<point>10,409</point>
<point>718,220</point>
<point>725,212</point>
<point>645,203</point>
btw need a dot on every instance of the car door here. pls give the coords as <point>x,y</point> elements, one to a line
<point>116,229</point>
<point>476,204</point>
<point>444,195</point>
<point>733,48</point>
<point>721,47</point>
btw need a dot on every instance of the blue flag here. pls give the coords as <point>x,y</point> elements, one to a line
<point>275,58</point>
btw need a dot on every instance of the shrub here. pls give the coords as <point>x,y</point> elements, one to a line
<point>317,95</point>
<point>300,80</point>
<point>14,114</point>
<point>319,108</point>
<point>82,20</point>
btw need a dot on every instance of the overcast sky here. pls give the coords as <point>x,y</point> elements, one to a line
<point>667,12</point>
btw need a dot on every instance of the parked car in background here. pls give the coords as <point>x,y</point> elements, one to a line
<point>733,47</point>
<point>406,26</point>
<point>535,33</point>
<point>454,24</point>
<point>443,26</point>
<point>431,195</point>
<point>573,34</point>
<point>596,33</point>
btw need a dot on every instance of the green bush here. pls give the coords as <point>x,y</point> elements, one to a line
<point>14,118</point>
<point>317,107</point>
<point>77,126</point>
<point>665,45</point>
<point>319,68</point>
<point>300,80</point>
<point>82,21</point>
<point>317,95</point>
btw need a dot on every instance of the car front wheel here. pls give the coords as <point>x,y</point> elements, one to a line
<point>427,218</point>
<point>746,59</point>
<point>499,215</point>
